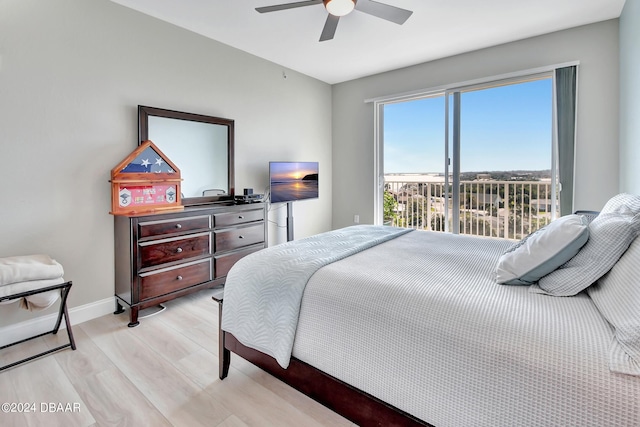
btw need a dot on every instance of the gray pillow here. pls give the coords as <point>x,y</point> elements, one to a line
<point>542,251</point>
<point>617,296</point>
<point>610,234</point>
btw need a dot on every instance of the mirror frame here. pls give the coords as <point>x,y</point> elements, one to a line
<point>143,135</point>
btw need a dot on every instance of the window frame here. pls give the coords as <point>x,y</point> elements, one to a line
<point>492,81</point>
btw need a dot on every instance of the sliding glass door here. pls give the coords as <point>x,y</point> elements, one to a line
<point>473,160</point>
<point>413,167</point>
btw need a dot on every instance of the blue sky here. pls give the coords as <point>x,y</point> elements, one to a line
<point>503,128</point>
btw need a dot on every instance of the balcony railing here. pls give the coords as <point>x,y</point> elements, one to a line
<point>506,209</point>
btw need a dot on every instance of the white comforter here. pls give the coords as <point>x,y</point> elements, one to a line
<point>263,291</point>
<point>420,323</point>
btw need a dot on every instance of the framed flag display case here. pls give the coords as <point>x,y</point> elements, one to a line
<point>145,181</point>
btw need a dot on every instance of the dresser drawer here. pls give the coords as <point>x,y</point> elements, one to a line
<point>234,218</point>
<point>224,263</point>
<point>234,238</point>
<point>175,225</point>
<point>167,280</point>
<point>174,249</point>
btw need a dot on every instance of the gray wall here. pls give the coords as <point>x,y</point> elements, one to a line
<point>72,73</point>
<point>597,154</point>
<point>630,97</point>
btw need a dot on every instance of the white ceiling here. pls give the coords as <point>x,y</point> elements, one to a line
<point>366,45</point>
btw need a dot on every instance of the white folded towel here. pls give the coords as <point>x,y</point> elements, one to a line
<point>39,302</point>
<point>32,302</point>
<point>26,268</point>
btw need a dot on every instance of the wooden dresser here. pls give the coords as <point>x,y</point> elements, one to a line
<point>159,257</point>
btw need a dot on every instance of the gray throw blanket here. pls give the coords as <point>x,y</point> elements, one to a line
<point>263,291</point>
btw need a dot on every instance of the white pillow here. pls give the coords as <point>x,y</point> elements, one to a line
<point>542,251</point>
<point>617,296</point>
<point>610,234</point>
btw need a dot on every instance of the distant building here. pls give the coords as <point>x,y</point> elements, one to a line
<point>414,177</point>
<point>542,205</point>
<point>483,177</point>
<point>485,200</point>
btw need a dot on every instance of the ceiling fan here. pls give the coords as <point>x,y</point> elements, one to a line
<point>338,8</point>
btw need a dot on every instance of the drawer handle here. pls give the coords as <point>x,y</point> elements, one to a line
<point>179,278</point>
<point>179,250</point>
<point>178,226</point>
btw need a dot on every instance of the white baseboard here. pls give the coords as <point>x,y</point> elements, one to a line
<point>19,331</point>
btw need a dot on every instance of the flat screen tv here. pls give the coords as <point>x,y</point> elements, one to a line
<point>291,181</point>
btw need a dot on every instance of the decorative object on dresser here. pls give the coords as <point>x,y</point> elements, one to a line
<point>145,181</point>
<point>160,257</point>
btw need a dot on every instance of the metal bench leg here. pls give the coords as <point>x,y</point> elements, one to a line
<point>64,291</point>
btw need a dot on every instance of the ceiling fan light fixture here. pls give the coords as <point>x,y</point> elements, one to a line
<point>339,7</point>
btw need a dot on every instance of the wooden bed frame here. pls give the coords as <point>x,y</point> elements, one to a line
<point>350,402</point>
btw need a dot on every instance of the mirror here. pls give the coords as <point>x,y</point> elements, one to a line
<point>200,146</point>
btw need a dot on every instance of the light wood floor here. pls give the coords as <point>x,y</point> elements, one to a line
<point>163,372</point>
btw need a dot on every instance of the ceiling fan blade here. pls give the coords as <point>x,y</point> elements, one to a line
<point>384,11</point>
<point>330,26</point>
<point>277,7</point>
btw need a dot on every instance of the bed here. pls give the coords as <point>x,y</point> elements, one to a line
<point>412,328</point>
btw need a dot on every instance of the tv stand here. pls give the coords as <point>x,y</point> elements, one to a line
<point>289,221</point>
